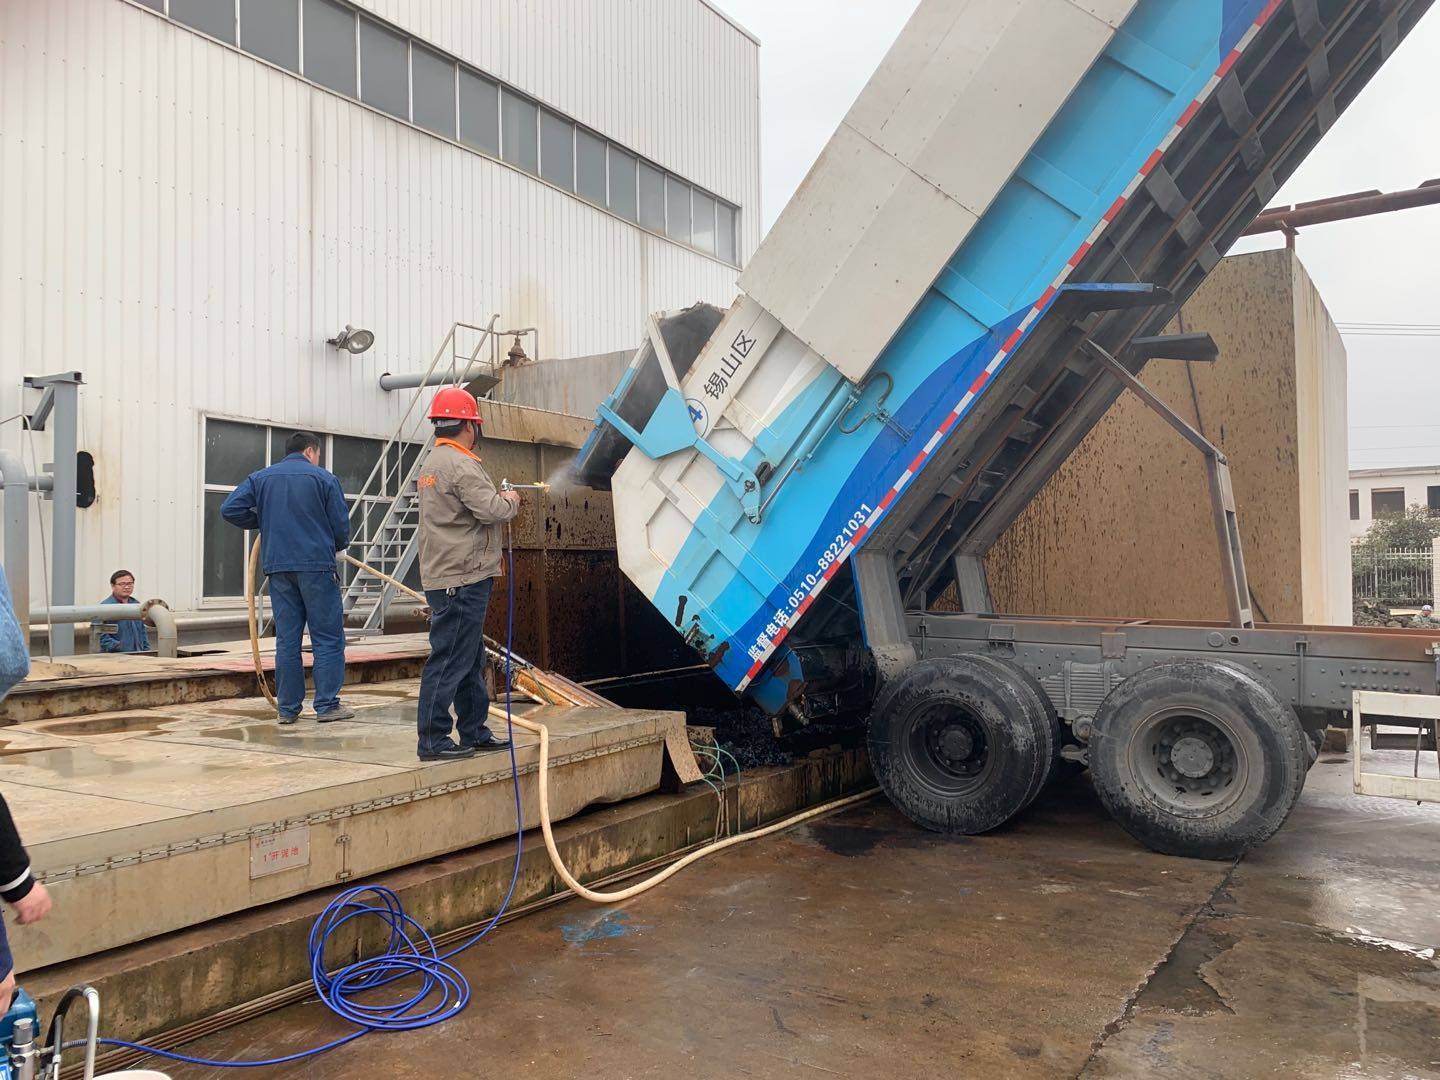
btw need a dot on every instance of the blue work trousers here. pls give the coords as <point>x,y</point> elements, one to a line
<point>455,672</point>
<point>301,599</point>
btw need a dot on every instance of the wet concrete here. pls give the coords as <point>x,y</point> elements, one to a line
<point>860,946</point>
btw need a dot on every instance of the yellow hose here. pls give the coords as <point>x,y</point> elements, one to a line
<point>544,770</point>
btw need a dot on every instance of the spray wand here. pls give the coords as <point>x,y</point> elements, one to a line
<point>506,485</point>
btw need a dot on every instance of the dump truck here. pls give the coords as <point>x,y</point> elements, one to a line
<point>982,259</point>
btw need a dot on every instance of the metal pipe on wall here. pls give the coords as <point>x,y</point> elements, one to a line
<point>414,380</point>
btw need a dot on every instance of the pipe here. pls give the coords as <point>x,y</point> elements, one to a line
<point>1343,207</point>
<point>16,480</point>
<point>414,380</point>
<point>155,612</point>
<point>167,636</point>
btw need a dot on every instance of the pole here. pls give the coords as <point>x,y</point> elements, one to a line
<point>62,587</point>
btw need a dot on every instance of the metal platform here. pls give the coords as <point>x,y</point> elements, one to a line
<point>150,821</point>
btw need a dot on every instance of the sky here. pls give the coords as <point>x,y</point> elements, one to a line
<point>816,55</point>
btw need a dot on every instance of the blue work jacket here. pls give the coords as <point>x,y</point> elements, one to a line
<point>131,636</point>
<point>300,512</point>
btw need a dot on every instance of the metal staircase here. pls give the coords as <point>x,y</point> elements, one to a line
<point>385,518</point>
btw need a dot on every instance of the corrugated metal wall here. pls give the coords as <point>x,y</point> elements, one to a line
<point>186,226</point>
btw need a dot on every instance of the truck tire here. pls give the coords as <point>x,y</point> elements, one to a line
<point>959,744</point>
<point>1026,682</point>
<point>1197,758</point>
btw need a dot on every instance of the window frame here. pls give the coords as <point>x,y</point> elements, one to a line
<point>1376,513</point>
<point>272,455</point>
<point>728,251</point>
<point>1354,507</point>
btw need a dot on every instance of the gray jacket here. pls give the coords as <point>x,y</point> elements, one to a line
<point>460,518</point>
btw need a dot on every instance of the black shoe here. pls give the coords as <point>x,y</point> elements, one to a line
<point>491,741</point>
<point>450,752</point>
<point>286,718</point>
<point>340,712</point>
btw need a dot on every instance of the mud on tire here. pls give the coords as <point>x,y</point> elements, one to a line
<point>961,744</point>
<point>1197,758</point>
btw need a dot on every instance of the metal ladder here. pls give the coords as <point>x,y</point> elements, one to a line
<point>385,520</point>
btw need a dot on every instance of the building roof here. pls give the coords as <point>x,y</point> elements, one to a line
<point>718,10</point>
<point>1395,470</point>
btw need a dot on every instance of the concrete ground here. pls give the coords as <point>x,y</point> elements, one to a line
<point>861,946</point>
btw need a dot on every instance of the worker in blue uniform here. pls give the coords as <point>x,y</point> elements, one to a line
<point>130,635</point>
<point>303,521</point>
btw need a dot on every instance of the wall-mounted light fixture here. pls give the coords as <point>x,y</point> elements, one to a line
<point>352,340</point>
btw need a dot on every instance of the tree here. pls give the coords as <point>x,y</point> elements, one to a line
<point>1413,529</point>
<point>1392,561</point>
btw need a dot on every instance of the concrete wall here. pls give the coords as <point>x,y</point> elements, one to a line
<point>1412,482</point>
<point>573,385</point>
<point>1124,527</point>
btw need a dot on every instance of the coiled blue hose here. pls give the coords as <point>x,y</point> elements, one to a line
<point>443,990</point>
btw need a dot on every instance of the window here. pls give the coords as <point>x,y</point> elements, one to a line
<point>479,113</point>
<point>622,183</point>
<point>384,70</point>
<point>590,166</point>
<point>517,131</point>
<point>342,48</point>
<point>352,460</point>
<point>213,17</point>
<point>329,52</point>
<point>1389,503</point>
<point>725,241</point>
<point>271,29</point>
<point>557,150</point>
<point>677,209</point>
<point>1354,506</point>
<point>1432,499</point>
<point>433,78</point>
<point>702,208</point>
<point>652,198</point>
<point>234,450</point>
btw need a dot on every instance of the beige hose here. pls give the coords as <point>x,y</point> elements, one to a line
<point>252,588</point>
<point>679,864</point>
<point>544,770</point>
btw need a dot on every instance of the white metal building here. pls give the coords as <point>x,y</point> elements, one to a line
<point>1390,492</point>
<point>198,193</point>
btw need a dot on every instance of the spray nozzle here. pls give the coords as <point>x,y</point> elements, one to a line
<point>506,485</point>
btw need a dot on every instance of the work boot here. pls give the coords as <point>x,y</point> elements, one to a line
<point>286,718</point>
<point>449,752</point>
<point>490,741</point>
<point>340,712</point>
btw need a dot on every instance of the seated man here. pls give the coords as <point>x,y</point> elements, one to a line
<point>130,635</point>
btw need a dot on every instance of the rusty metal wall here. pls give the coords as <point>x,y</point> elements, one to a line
<point>574,611</point>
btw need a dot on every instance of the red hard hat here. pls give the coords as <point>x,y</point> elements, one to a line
<point>454,403</point>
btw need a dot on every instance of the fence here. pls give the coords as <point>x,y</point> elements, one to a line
<point>1394,575</point>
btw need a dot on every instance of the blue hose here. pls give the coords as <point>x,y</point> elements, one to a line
<point>410,952</point>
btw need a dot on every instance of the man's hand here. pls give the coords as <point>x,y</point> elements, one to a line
<point>512,497</point>
<point>33,906</point>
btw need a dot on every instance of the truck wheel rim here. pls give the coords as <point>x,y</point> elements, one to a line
<point>948,749</point>
<point>1190,761</point>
